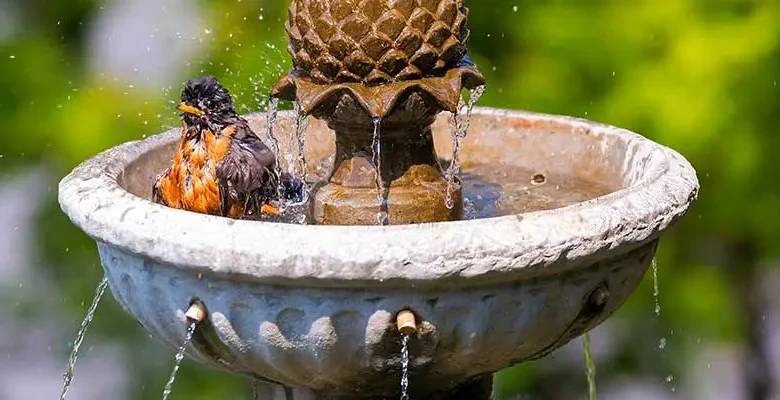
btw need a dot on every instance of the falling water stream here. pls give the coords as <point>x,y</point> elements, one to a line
<point>381,191</point>
<point>404,367</point>
<point>657,310</point>
<point>301,126</point>
<point>272,113</point>
<point>656,303</point>
<point>590,366</point>
<point>74,354</point>
<point>179,358</point>
<point>461,119</point>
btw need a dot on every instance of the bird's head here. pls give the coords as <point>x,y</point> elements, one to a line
<point>205,102</point>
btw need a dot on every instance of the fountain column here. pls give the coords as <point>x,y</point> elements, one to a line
<point>378,72</point>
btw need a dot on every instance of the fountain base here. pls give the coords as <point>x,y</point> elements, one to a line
<point>333,205</point>
<point>412,188</point>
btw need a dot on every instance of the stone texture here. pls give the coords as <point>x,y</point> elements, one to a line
<point>413,183</point>
<point>376,42</point>
<point>313,307</point>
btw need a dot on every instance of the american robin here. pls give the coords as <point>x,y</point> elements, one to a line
<point>221,167</point>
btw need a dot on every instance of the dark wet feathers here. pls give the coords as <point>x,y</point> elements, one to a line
<point>246,173</point>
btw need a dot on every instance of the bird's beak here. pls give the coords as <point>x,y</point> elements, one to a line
<point>190,109</point>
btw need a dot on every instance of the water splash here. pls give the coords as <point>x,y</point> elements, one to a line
<point>74,353</point>
<point>301,126</point>
<point>656,303</point>
<point>461,120</point>
<point>405,367</point>
<point>381,191</point>
<point>271,115</point>
<point>179,358</point>
<point>590,366</point>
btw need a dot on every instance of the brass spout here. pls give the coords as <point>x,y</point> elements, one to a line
<point>406,322</point>
<point>196,313</point>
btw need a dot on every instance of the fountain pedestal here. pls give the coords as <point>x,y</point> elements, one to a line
<point>387,126</point>
<point>392,65</point>
<point>412,188</point>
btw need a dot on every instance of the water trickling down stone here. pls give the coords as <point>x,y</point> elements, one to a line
<point>656,304</point>
<point>461,119</point>
<point>381,191</point>
<point>178,359</point>
<point>301,126</point>
<point>590,366</point>
<point>271,114</point>
<point>74,353</point>
<point>404,367</point>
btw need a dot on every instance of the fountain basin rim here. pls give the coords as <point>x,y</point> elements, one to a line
<point>459,253</point>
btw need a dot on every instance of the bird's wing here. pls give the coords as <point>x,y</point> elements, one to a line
<point>246,174</point>
<point>157,195</point>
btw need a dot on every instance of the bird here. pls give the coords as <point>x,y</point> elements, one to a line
<point>221,167</point>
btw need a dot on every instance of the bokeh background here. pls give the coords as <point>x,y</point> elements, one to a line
<point>701,76</point>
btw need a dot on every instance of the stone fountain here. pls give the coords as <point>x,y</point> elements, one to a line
<point>309,311</point>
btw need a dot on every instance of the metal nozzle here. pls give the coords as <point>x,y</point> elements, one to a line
<point>196,312</point>
<point>406,322</point>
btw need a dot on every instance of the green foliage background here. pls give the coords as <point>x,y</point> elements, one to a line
<point>700,76</point>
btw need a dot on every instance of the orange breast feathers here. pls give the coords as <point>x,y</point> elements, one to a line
<point>191,182</point>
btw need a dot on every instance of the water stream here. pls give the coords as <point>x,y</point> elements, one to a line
<point>461,119</point>
<point>381,191</point>
<point>74,354</point>
<point>301,126</point>
<point>404,367</point>
<point>179,358</point>
<point>590,366</point>
<point>656,303</point>
<point>271,114</point>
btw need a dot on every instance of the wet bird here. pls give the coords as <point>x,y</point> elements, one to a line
<point>221,167</point>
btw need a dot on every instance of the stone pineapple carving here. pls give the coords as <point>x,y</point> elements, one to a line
<point>376,42</point>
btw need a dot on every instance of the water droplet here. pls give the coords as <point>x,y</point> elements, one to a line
<point>662,344</point>
<point>12,56</point>
<point>514,8</point>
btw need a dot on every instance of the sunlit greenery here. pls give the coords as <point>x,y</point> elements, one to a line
<point>700,76</point>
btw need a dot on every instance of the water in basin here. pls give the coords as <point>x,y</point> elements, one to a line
<point>497,190</point>
<point>504,170</point>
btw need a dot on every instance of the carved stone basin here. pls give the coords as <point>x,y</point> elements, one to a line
<point>313,307</point>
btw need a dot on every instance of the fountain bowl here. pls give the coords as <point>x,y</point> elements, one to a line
<point>313,307</point>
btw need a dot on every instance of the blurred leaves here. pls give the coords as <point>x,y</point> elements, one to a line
<point>698,76</point>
